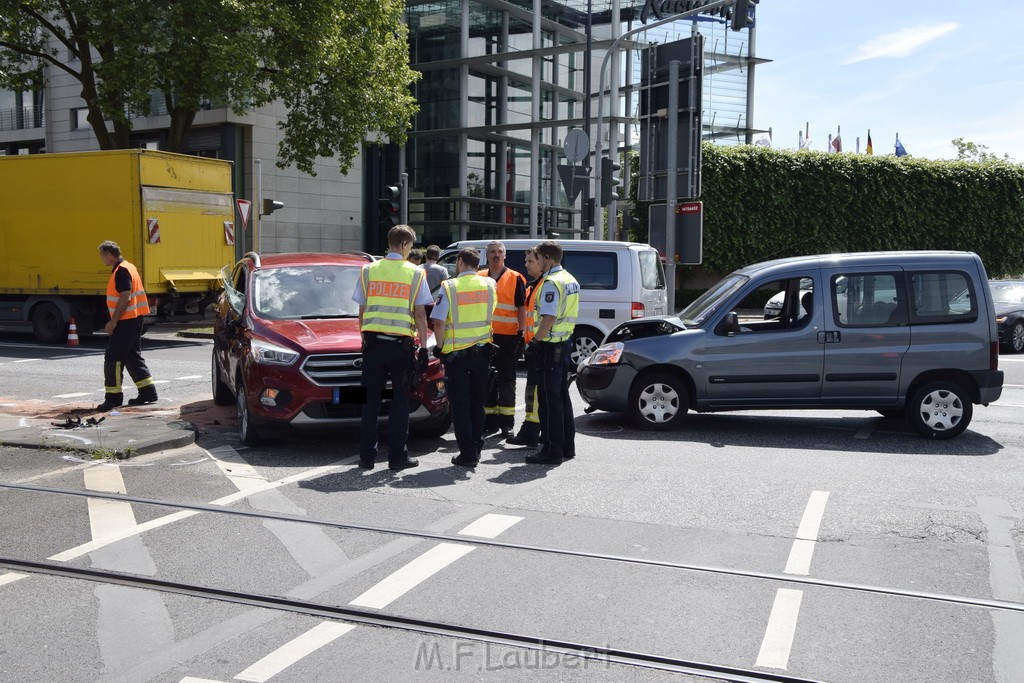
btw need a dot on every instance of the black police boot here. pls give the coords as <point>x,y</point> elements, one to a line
<point>552,457</point>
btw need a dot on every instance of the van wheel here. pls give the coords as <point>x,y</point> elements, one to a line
<point>658,402</point>
<point>221,391</point>
<point>48,324</point>
<point>247,432</point>
<point>940,410</point>
<point>585,341</point>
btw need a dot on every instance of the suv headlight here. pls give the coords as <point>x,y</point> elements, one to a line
<point>609,354</point>
<point>266,353</point>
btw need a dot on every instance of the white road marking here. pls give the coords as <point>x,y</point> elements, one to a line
<point>108,517</point>
<point>87,548</point>
<point>803,545</point>
<point>11,577</point>
<point>161,381</point>
<point>176,379</point>
<point>26,360</point>
<point>192,679</point>
<point>778,636</point>
<point>75,395</point>
<point>291,652</point>
<point>411,575</point>
<point>243,475</point>
<point>1011,360</point>
<point>23,422</point>
<point>490,525</point>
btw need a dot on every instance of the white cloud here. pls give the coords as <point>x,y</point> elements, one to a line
<point>900,43</point>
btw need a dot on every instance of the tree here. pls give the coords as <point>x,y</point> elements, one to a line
<point>340,67</point>
<point>973,152</point>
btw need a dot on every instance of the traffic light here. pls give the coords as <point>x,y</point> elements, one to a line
<point>628,226</point>
<point>390,207</point>
<point>609,181</point>
<point>741,14</point>
<point>270,206</point>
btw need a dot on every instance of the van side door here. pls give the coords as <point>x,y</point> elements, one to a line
<point>865,336</point>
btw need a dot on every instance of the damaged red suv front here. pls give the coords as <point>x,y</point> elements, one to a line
<point>287,350</point>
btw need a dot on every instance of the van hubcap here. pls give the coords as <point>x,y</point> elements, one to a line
<point>659,403</point>
<point>941,410</point>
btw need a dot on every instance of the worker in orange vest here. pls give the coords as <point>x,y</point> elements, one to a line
<point>126,304</point>
<point>529,432</point>
<point>508,326</point>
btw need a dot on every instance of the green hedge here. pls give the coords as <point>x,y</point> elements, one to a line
<point>761,204</point>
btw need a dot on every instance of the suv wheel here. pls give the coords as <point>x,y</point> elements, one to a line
<point>247,432</point>
<point>939,410</point>
<point>585,341</point>
<point>658,401</point>
<point>221,391</point>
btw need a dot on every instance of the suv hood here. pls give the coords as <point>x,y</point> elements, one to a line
<point>339,335</point>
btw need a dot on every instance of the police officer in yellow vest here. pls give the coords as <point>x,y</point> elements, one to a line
<point>508,325</point>
<point>126,304</point>
<point>556,308</point>
<point>462,328</point>
<point>391,294</point>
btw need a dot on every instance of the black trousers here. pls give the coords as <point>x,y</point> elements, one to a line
<point>124,352</point>
<point>500,406</point>
<point>467,374</point>
<point>558,430</point>
<point>381,360</point>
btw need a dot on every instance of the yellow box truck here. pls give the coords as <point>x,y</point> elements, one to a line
<point>171,214</point>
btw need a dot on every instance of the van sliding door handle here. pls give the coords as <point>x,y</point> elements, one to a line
<point>831,337</point>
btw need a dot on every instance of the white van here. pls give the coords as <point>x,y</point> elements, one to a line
<point>619,281</point>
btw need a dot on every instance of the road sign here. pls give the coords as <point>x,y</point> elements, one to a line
<point>573,180</point>
<point>576,145</point>
<point>244,206</point>
<point>689,227</point>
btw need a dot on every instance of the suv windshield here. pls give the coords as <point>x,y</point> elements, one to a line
<point>305,292</point>
<point>708,302</point>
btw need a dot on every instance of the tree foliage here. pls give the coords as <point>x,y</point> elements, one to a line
<point>973,152</point>
<point>340,67</point>
<point>761,204</point>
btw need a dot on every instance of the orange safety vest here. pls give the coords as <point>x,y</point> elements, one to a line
<point>506,314</point>
<point>531,291</point>
<point>138,304</point>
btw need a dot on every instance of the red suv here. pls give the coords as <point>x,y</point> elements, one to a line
<point>286,348</point>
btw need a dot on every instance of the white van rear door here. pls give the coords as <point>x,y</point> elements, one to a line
<point>649,283</point>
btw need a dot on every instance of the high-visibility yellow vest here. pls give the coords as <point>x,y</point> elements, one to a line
<point>471,301</point>
<point>390,286</point>
<point>506,315</point>
<point>138,304</point>
<point>568,305</point>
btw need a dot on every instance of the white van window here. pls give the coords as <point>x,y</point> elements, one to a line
<point>592,271</point>
<point>942,297</point>
<point>867,300</point>
<point>651,274</point>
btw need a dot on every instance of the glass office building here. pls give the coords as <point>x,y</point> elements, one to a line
<point>504,81</point>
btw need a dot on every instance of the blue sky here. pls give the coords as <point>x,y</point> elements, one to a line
<point>930,71</point>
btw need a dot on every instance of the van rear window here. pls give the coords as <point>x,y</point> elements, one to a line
<point>592,270</point>
<point>651,274</point>
<point>942,297</point>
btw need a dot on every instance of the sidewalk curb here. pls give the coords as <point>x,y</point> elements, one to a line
<point>133,434</point>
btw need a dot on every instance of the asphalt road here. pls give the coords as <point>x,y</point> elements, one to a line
<point>829,545</point>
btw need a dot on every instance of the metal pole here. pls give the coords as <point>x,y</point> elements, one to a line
<point>403,187</point>
<point>670,183</point>
<point>604,62</point>
<point>257,212</point>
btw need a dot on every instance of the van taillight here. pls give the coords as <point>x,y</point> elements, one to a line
<point>637,310</point>
<point>993,355</point>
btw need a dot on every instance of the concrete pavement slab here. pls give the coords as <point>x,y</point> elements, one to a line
<point>116,433</point>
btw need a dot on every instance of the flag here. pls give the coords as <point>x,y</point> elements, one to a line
<point>869,149</point>
<point>900,150</point>
<point>837,143</point>
<point>805,142</point>
<point>764,141</point>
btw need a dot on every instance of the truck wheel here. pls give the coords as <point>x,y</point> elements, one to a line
<point>48,324</point>
<point>247,432</point>
<point>221,391</point>
<point>658,402</point>
<point>940,410</point>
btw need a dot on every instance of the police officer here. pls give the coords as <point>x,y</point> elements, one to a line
<point>126,304</point>
<point>462,328</point>
<point>557,306</point>
<point>529,432</point>
<point>392,294</point>
<point>507,325</point>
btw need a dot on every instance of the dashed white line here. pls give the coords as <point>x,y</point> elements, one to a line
<point>778,637</point>
<point>26,360</point>
<point>803,545</point>
<point>411,575</point>
<point>108,517</point>
<point>490,525</point>
<point>78,394</point>
<point>11,577</point>
<point>294,650</point>
<point>176,379</point>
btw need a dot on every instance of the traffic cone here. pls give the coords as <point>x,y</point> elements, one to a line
<point>72,334</point>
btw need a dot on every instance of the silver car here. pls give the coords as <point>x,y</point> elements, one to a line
<point>908,334</point>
